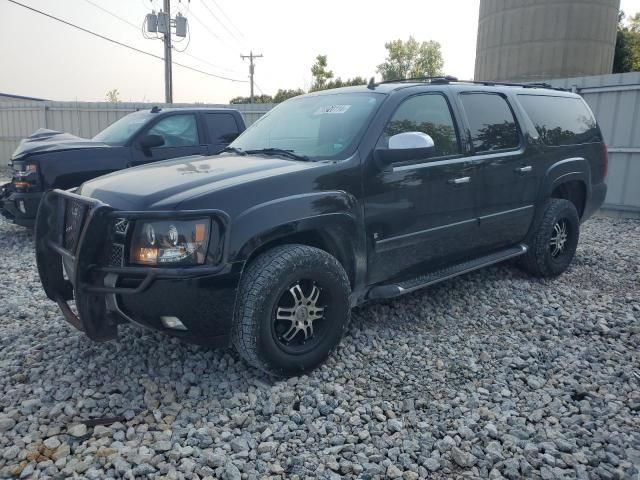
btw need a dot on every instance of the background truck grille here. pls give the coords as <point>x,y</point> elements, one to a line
<point>121,226</point>
<point>74,216</point>
<point>116,255</point>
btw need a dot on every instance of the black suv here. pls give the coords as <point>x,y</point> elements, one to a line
<point>328,201</point>
<point>49,159</point>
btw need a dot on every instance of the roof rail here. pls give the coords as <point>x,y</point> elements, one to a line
<point>436,79</point>
<point>490,83</point>
<point>447,79</point>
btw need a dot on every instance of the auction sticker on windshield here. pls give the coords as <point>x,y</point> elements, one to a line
<point>332,109</point>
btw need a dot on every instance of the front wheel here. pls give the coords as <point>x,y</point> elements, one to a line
<point>292,309</point>
<point>553,245</point>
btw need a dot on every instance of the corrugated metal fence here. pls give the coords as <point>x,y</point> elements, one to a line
<point>615,100</point>
<point>21,118</point>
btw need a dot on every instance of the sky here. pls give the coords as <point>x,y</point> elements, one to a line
<point>43,58</point>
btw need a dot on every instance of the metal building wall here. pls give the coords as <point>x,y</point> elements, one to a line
<point>615,101</point>
<point>529,40</point>
<point>19,119</point>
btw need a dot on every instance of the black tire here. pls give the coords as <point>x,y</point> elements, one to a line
<point>544,259</point>
<point>267,284</point>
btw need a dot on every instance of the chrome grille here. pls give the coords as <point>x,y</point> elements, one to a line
<point>74,215</point>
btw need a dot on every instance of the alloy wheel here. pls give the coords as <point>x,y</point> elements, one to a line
<point>299,319</point>
<point>559,237</point>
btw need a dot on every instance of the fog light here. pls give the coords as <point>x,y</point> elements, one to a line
<point>173,322</point>
<point>21,206</point>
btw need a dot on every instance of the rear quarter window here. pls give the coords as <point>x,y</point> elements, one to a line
<point>561,120</point>
<point>222,127</point>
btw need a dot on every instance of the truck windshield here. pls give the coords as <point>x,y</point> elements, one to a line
<point>327,126</point>
<point>120,131</point>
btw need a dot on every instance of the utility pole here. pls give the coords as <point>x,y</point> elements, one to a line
<point>168,76</point>
<point>251,56</point>
<point>162,23</point>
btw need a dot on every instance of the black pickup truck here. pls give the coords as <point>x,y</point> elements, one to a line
<point>49,159</point>
<point>330,200</point>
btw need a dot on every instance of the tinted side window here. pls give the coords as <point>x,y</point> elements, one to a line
<point>561,120</point>
<point>222,127</point>
<point>491,122</point>
<point>177,131</point>
<point>428,114</point>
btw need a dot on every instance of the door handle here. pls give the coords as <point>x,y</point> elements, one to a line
<point>525,169</point>
<point>460,181</point>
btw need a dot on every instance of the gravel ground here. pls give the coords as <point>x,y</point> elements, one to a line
<point>490,375</point>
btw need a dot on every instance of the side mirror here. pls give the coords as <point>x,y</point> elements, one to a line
<point>404,147</point>
<point>150,141</point>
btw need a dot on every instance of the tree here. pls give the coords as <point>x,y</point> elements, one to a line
<point>411,59</point>
<point>320,73</point>
<point>256,99</point>
<point>323,78</point>
<point>113,96</point>
<point>338,82</point>
<point>282,95</point>
<point>627,53</point>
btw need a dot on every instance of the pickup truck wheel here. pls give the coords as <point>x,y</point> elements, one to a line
<point>292,309</point>
<point>553,244</point>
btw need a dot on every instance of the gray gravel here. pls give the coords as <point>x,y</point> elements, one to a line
<point>490,375</point>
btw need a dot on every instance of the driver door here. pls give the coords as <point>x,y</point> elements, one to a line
<point>420,214</point>
<point>181,139</point>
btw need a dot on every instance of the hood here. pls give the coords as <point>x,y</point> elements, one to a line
<point>44,140</point>
<point>164,185</point>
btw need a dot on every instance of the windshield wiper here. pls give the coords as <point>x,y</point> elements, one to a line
<point>233,150</point>
<point>281,152</point>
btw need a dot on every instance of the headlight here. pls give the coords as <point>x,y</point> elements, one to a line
<point>179,242</point>
<point>24,170</point>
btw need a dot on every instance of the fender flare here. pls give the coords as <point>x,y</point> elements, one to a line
<point>576,168</point>
<point>335,216</point>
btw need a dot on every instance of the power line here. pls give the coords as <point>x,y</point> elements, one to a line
<point>179,51</point>
<point>133,25</point>
<point>227,18</point>
<point>258,87</point>
<point>221,23</point>
<point>120,43</point>
<point>209,63</point>
<point>206,27</point>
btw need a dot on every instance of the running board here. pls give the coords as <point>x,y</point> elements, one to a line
<point>400,288</point>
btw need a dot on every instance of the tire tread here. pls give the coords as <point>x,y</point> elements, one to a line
<point>256,279</point>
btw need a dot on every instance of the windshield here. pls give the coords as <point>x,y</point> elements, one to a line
<point>320,126</point>
<point>119,132</point>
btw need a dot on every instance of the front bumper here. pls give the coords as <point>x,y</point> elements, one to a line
<point>75,235</point>
<point>13,203</point>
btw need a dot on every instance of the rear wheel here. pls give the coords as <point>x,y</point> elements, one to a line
<point>292,309</point>
<point>553,245</point>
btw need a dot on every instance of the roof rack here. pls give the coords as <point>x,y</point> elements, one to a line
<point>448,79</point>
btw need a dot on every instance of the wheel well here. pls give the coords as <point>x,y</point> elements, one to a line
<point>574,191</point>
<point>312,238</point>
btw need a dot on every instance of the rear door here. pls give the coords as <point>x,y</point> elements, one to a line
<point>181,135</point>
<point>508,180</point>
<point>221,129</point>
